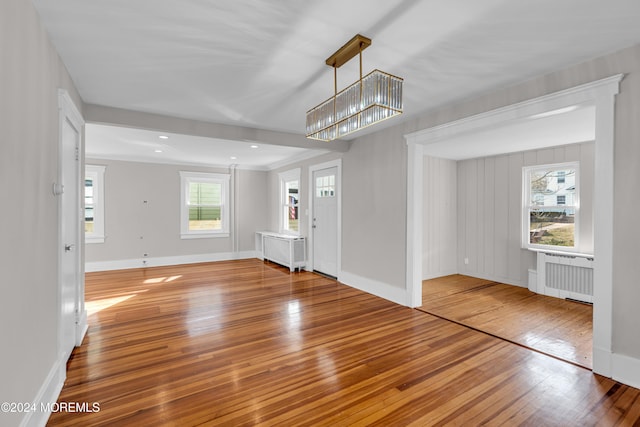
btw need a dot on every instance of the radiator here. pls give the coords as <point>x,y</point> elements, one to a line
<point>565,276</point>
<point>283,249</point>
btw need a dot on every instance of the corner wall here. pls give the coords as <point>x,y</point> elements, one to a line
<point>490,211</point>
<point>142,216</point>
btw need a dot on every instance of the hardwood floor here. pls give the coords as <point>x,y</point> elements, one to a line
<point>247,343</point>
<point>553,326</point>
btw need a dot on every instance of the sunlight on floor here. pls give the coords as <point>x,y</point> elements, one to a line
<point>161,280</point>
<point>96,306</point>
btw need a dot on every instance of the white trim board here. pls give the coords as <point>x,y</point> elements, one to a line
<point>601,93</point>
<point>47,394</point>
<point>125,264</point>
<point>374,287</point>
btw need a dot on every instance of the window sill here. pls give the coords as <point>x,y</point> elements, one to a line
<point>560,252</point>
<point>203,235</point>
<point>93,239</point>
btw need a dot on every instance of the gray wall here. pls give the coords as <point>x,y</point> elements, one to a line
<point>440,222</point>
<point>374,208</point>
<point>273,192</point>
<point>133,227</point>
<point>30,74</point>
<point>490,211</point>
<point>626,236</point>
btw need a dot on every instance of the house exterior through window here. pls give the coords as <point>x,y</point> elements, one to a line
<point>290,201</point>
<point>204,208</point>
<point>551,206</point>
<point>94,204</point>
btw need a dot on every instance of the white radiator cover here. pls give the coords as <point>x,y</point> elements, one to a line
<point>565,276</point>
<point>283,249</point>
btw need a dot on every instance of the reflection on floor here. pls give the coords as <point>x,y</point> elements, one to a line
<point>553,326</point>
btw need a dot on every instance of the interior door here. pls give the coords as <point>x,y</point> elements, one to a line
<point>69,236</point>
<point>325,221</point>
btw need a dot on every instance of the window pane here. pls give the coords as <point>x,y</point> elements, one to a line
<point>88,191</point>
<point>552,227</point>
<point>205,193</point>
<point>88,219</point>
<point>292,192</point>
<point>205,218</point>
<point>325,186</point>
<point>548,187</point>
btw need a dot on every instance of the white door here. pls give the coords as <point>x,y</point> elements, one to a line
<point>325,221</point>
<point>69,235</point>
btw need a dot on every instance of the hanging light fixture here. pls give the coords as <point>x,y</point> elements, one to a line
<point>375,97</point>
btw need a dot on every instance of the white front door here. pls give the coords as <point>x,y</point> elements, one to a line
<point>70,232</point>
<point>325,221</point>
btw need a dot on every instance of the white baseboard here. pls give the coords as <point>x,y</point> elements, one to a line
<point>380,289</point>
<point>164,261</point>
<point>626,370</point>
<point>48,393</point>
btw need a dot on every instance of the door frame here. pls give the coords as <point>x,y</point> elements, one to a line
<point>602,93</point>
<point>68,112</point>
<point>313,168</point>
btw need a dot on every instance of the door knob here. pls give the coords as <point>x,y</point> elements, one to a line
<point>68,247</point>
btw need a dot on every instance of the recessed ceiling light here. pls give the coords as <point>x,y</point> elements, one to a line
<point>233,157</point>
<point>254,146</point>
<point>158,151</point>
<point>163,137</point>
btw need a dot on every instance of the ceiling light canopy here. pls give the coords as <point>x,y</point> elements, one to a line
<point>373,98</point>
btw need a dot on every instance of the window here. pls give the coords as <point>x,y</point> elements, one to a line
<point>326,186</point>
<point>550,214</point>
<point>204,205</point>
<point>290,201</point>
<point>94,204</point>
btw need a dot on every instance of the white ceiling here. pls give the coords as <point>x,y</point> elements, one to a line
<point>260,63</point>
<point>540,131</point>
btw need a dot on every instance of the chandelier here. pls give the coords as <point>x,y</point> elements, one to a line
<point>375,97</point>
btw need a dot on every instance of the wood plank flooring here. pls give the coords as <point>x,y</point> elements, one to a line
<point>553,326</point>
<point>246,343</point>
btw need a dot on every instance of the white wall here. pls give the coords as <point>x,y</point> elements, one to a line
<point>30,74</point>
<point>440,222</point>
<point>133,227</point>
<point>490,211</point>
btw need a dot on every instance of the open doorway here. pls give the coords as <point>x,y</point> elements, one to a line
<point>473,200</point>
<point>602,95</point>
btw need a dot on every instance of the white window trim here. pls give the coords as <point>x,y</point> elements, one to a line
<point>96,172</point>
<point>218,178</point>
<point>526,171</point>
<point>290,175</point>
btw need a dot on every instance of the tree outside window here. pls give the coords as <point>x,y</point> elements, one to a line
<point>550,206</point>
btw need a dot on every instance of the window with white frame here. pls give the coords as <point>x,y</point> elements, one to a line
<point>204,208</point>
<point>290,201</point>
<point>94,204</point>
<point>551,206</point>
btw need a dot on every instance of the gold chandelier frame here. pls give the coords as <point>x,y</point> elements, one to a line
<point>373,98</point>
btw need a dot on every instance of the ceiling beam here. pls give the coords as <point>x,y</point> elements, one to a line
<point>100,114</point>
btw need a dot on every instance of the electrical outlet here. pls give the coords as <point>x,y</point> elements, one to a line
<point>466,261</point>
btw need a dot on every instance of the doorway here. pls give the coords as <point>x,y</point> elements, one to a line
<point>72,313</point>
<point>602,93</point>
<point>325,195</point>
